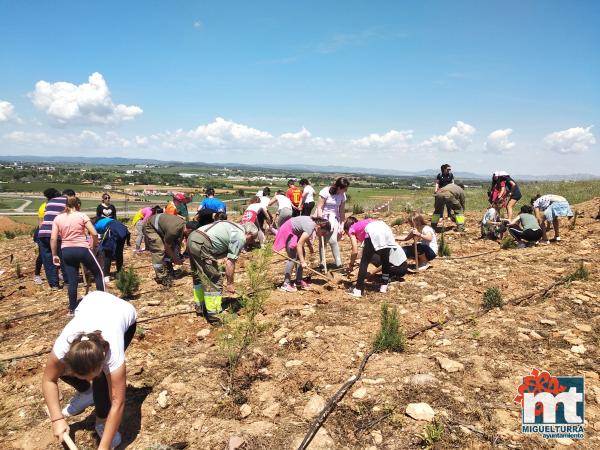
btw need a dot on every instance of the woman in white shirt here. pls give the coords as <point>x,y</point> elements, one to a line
<point>308,197</point>
<point>331,206</point>
<point>284,207</point>
<point>89,355</point>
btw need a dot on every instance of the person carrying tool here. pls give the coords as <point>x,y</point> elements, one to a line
<point>424,235</point>
<point>292,236</point>
<point>206,246</point>
<point>164,234</point>
<point>451,196</point>
<point>89,355</point>
<point>380,248</point>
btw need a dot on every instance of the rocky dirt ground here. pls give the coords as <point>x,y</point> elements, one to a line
<point>466,370</point>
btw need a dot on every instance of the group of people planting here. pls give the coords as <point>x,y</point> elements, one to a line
<point>89,354</point>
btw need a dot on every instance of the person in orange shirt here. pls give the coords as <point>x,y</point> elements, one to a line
<point>295,195</point>
<point>173,205</point>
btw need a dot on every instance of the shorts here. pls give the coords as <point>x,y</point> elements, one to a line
<point>556,210</point>
<point>516,194</point>
<point>421,248</point>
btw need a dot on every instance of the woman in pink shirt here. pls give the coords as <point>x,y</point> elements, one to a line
<point>70,227</point>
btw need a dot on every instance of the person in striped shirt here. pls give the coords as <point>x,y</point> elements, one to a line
<point>54,207</point>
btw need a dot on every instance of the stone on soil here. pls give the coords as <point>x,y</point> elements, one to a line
<point>420,411</point>
<point>235,442</point>
<point>245,410</point>
<point>163,400</point>
<point>450,365</point>
<point>360,393</point>
<point>313,407</point>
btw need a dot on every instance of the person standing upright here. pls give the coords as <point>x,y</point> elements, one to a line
<point>106,209</point>
<point>444,178</point>
<point>295,195</point>
<point>308,198</point>
<point>332,206</point>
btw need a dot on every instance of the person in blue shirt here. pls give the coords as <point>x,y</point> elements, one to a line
<point>212,203</point>
<point>114,235</point>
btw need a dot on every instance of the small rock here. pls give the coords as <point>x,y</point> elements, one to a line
<point>245,410</point>
<point>283,341</point>
<point>293,363</point>
<point>321,441</point>
<point>315,405</point>
<point>272,410</point>
<point>281,333</point>
<point>154,303</point>
<point>422,379</point>
<point>373,381</point>
<point>420,411</point>
<point>580,349</point>
<point>596,426</point>
<point>377,437</point>
<point>583,327</point>
<point>203,333</point>
<point>449,365</point>
<point>422,284</point>
<point>309,334</point>
<point>443,343</point>
<point>162,399</point>
<point>235,442</point>
<point>523,337</point>
<point>565,441</point>
<point>577,302</point>
<point>360,393</point>
<point>535,335</point>
<point>319,328</point>
<point>573,340</point>
<point>548,322</point>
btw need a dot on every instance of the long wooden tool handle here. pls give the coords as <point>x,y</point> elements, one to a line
<point>416,255</point>
<point>85,280</point>
<point>319,274</point>
<point>66,437</point>
<point>324,254</point>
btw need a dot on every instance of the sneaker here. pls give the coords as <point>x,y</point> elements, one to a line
<point>287,287</point>
<point>107,279</point>
<point>424,266</point>
<point>138,252</point>
<point>303,285</point>
<point>383,288</point>
<point>71,313</point>
<point>54,288</point>
<point>356,293</point>
<point>37,279</point>
<point>545,242</point>
<point>557,239</point>
<point>60,277</point>
<point>78,403</point>
<point>116,441</point>
<point>521,245</point>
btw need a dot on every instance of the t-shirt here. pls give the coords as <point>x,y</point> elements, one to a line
<point>42,211</point>
<point>529,222</point>
<point>308,194</point>
<point>546,200</point>
<point>358,229</point>
<point>182,210</point>
<point>433,243</point>
<point>491,215</point>
<point>332,202</point>
<point>444,180</point>
<point>104,312</point>
<point>456,191</point>
<point>171,209</point>
<point>101,225</point>
<point>170,227</point>
<point>283,202</point>
<point>54,207</point>
<point>71,229</point>
<point>227,238</point>
<point>302,224</point>
<point>106,211</point>
<point>264,201</point>
<point>252,212</point>
<point>213,203</point>
<point>295,195</point>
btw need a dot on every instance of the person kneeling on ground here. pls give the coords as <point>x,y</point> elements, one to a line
<point>491,226</point>
<point>451,196</point>
<point>548,208</point>
<point>292,236</point>
<point>529,229</point>
<point>427,247</point>
<point>89,355</point>
<point>380,248</point>
<point>164,234</point>
<point>206,246</point>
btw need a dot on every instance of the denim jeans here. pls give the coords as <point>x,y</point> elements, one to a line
<point>50,269</point>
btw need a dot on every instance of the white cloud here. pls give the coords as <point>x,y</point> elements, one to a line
<point>198,24</point>
<point>392,140</point>
<point>88,103</point>
<point>7,112</point>
<point>458,138</point>
<point>573,140</point>
<point>499,141</point>
<point>225,133</point>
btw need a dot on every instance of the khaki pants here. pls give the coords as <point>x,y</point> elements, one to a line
<point>154,243</point>
<point>206,276</point>
<point>455,211</point>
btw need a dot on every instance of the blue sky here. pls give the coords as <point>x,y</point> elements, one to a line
<point>510,85</point>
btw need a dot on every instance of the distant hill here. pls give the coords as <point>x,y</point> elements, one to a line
<point>428,173</point>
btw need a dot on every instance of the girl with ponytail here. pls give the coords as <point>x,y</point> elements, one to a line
<point>332,206</point>
<point>89,355</point>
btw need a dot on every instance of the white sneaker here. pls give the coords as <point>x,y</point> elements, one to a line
<point>355,293</point>
<point>107,279</point>
<point>37,279</point>
<point>116,439</point>
<point>557,239</point>
<point>424,266</point>
<point>383,288</point>
<point>78,403</point>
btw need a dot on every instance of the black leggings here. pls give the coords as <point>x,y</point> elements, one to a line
<point>73,257</point>
<point>307,208</point>
<point>526,235</point>
<point>367,255</point>
<point>100,389</point>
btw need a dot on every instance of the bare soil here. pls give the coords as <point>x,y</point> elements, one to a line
<point>329,332</point>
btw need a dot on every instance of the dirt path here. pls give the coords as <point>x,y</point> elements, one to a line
<point>313,342</point>
<point>21,208</point>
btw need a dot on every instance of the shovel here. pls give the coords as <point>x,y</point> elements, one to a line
<point>327,278</point>
<point>66,438</point>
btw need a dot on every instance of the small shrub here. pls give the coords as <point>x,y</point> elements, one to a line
<point>10,234</point>
<point>127,282</point>
<point>140,332</point>
<point>581,273</point>
<point>399,221</point>
<point>508,242</point>
<point>431,434</point>
<point>390,336</point>
<point>357,209</point>
<point>443,247</point>
<point>3,368</point>
<point>408,208</point>
<point>18,271</point>
<point>492,298</point>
